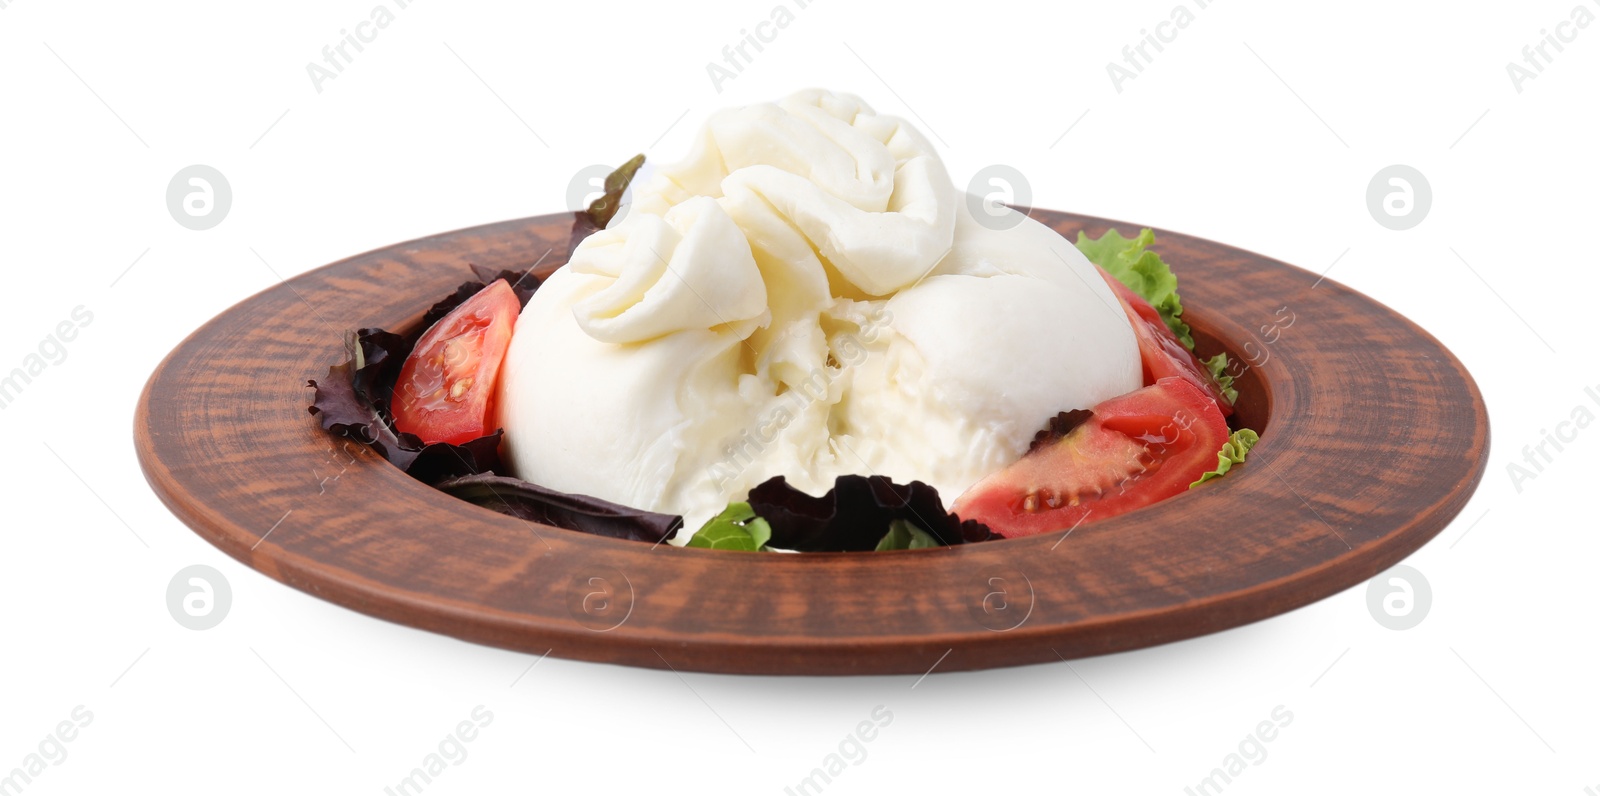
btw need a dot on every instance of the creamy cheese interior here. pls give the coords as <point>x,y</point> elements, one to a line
<point>805,295</point>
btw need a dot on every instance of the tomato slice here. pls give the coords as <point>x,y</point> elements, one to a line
<point>446,388</point>
<point>1135,449</point>
<point>1159,349</point>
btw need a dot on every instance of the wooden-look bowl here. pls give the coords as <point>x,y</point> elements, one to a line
<point>1373,436</point>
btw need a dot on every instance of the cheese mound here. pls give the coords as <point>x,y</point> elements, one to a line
<point>806,295</point>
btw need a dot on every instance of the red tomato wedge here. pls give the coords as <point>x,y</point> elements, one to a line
<point>446,388</point>
<point>1136,449</point>
<point>1159,348</point>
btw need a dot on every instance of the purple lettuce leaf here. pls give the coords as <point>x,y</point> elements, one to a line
<point>347,404</point>
<point>535,503</point>
<point>856,513</point>
<point>1058,427</point>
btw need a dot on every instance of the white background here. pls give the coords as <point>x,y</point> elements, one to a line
<point>1259,126</point>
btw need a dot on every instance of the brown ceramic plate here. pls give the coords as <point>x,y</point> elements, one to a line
<point>1373,436</point>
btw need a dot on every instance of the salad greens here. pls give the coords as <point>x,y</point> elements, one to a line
<point>903,535</point>
<point>860,513</point>
<point>1232,453</point>
<point>855,514</point>
<point>605,206</point>
<point>736,528</point>
<point>1218,365</point>
<point>534,503</point>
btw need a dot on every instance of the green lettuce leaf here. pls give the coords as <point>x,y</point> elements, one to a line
<point>604,207</point>
<point>903,535</point>
<point>736,528</point>
<point>1218,365</point>
<point>1232,453</point>
<point>1133,264</point>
